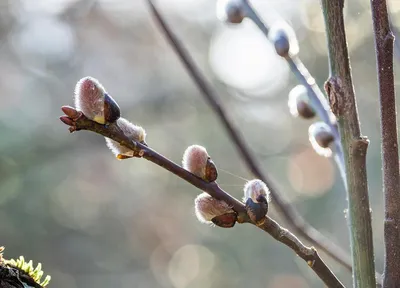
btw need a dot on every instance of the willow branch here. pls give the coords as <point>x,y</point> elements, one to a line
<point>299,225</point>
<point>309,254</point>
<point>390,156</point>
<point>317,98</point>
<point>341,95</point>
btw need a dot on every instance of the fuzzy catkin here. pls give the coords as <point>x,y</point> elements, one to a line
<point>89,98</point>
<point>195,160</point>
<point>134,132</point>
<point>254,188</point>
<point>207,207</point>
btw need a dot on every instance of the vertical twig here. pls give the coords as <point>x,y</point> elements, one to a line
<point>390,156</point>
<point>341,95</point>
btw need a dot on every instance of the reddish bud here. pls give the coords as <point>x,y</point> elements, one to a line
<point>227,220</point>
<point>66,120</point>
<point>71,112</point>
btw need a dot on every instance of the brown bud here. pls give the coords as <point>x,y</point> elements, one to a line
<point>211,172</point>
<point>257,210</point>
<point>111,109</point>
<point>321,137</point>
<point>231,11</point>
<point>284,39</point>
<point>227,220</point>
<point>299,104</point>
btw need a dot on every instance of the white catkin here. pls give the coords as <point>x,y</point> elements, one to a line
<point>195,160</point>
<point>134,132</point>
<point>254,188</point>
<point>89,98</point>
<point>207,207</point>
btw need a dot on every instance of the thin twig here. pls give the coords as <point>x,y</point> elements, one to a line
<point>339,88</point>
<point>299,225</point>
<point>384,39</point>
<point>309,254</point>
<point>317,98</point>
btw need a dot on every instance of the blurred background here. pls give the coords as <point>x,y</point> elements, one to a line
<point>93,221</point>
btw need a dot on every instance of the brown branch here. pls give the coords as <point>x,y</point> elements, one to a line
<point>396,33</point>
<point>309,254</point>
<point>299,225</point>
<point>390,156</point>
<point>341,94</point>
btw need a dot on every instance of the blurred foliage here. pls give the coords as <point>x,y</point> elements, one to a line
<point>93,221</point>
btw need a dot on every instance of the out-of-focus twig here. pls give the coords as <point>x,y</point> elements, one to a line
<point>340,90</point>
<point>317,98</point>
<point>299,225</point>
<point>308,254</point>
<point>384,39</point>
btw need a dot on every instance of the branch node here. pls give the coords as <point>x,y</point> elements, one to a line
<point>389,38</point>
<point>334,90</point>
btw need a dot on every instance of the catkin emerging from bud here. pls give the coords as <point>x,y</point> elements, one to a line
<point>299,103</point>
<point>321,136</point>
<point>284,39</point>
<point>231,11</point>
<point>256,189</point>
<point>207,208</point>
<point>92,99</point>
<point>197,161</point>
<point>134,132</point>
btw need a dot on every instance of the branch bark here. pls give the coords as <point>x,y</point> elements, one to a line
<point>308,254</point>
<point>339,88</point>
<point>299,225</point>
<point>390,156</point>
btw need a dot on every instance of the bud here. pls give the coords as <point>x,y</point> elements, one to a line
<point>197,161</point>
<point>132,131</point>
<point>231,11</point>
<point>95,103</point>
<point>284,39</point>
<point>299,103</point>
<point>321,136</point>
<point>210,210</point>
<point>66,120</point>
<point>71,112</point>
<point>256,190</point>
<point>35,275</point>
<point>256,197</point>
